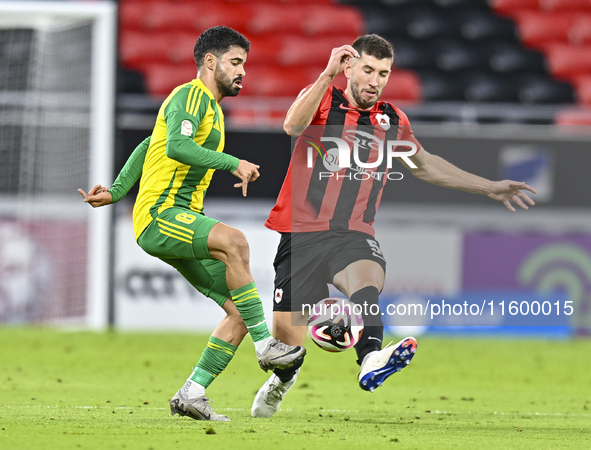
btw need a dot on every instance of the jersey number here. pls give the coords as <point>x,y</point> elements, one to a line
<point>375,248</point>
<point>185,218</point>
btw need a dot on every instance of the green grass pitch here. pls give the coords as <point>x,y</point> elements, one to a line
<point>62,390</point>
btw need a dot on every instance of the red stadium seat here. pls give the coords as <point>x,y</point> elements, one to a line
<point>580,32</point>
<point>273,81</point>
<point>583,87</point>
<point>172,16</point>
<point>509,7</point>
<point>574,117</point>
<point>275,18</point>
<point>536,28</point>
<point>183,15</point>
<point>565,5</point>
<point>329,19</point>
<point>264,49</point>
<point>161,79</point>
<point>298,50</point>
<point>402,85</point>
<point>138,48</point>
<point>131,15</point>
<point>568,62</point>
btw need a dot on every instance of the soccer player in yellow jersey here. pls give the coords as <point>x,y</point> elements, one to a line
<point>174,166</point>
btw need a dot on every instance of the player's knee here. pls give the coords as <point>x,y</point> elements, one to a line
<point>238,247</point>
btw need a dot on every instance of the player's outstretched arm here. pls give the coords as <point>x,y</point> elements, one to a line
<point>302,110</point>
<point>436,170</point>
<point>129,175</point>
<point>247,172</point>
<point>97,196</point>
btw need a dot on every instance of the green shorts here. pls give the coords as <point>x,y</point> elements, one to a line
<point>178,237</point>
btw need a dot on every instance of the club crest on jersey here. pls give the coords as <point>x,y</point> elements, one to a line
<point>383,121</point>
<point>278,295</point>
<point>186,128</point>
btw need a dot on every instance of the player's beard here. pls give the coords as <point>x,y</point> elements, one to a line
<point>356,93</point>
<point>224,84</point>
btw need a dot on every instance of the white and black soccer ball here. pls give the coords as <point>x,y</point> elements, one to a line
<point>335,325</point>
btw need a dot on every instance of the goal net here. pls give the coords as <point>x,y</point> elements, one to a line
<point>57,65</point>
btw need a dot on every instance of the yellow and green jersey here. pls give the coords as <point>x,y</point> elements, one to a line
<point>177,162</point>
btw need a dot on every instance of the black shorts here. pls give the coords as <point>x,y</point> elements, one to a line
<point>306,262</point>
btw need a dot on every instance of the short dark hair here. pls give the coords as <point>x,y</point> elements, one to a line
<point>218,40</point>
<point>374,45</point>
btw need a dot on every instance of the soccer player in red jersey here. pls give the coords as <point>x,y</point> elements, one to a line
<point>329,199</point>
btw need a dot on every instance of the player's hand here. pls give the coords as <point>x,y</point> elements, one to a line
<point>338,58</point>
<point>247,172</point>
<point>97,196</point>
<point>506,191</point>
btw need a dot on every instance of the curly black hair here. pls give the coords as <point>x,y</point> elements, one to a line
<point>218,40</point>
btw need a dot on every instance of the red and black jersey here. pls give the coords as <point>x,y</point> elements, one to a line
<point>314,198</point>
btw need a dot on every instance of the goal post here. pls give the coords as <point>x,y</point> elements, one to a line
<point>57,107</point>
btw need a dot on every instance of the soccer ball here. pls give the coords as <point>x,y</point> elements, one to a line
<point>334,324</point>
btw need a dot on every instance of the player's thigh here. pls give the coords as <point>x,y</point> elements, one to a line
<point>297,285</point>
<point>359,274</point>
<point>178,233</point>
<point>179,237</point>
<point>208,276</point>
<point>356,262</point>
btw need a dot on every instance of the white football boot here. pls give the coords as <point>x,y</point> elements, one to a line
<point>379,365</point>
<point>269,397</point>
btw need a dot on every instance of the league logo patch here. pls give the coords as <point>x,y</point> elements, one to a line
<point>186,128</point>
<point>278,295</point>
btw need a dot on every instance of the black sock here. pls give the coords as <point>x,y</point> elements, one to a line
<point>373,331</point>
<point>287,374</point>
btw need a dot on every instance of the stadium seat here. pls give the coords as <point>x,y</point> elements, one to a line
<point>566,5</point>
<point>510,7</point>
<point>161,79</point>
<point>536,28</point>
<point>383,22</point>
<point>462,3</point>
<point>402,85</point>
<point>300,50</point>
<point>436,86</point>
<point>326,19</point>
<point>413,55</point>
<point>273,81</point>
<point>264,49</point>
<point>432,24</point>
<point>173,16</point>
<point>457,55</point>
<point>480,25</point>
<point>485,87</point>
<point>138,48</point>
<point>546,90</point>
<point>574,117</point>
<point>580,32</point>
<point>511,58</point>
<point>567,62</point>
<point>275,18</point>
<point>583,86</point>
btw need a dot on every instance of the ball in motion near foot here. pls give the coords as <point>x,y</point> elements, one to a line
<point>335,324</point>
